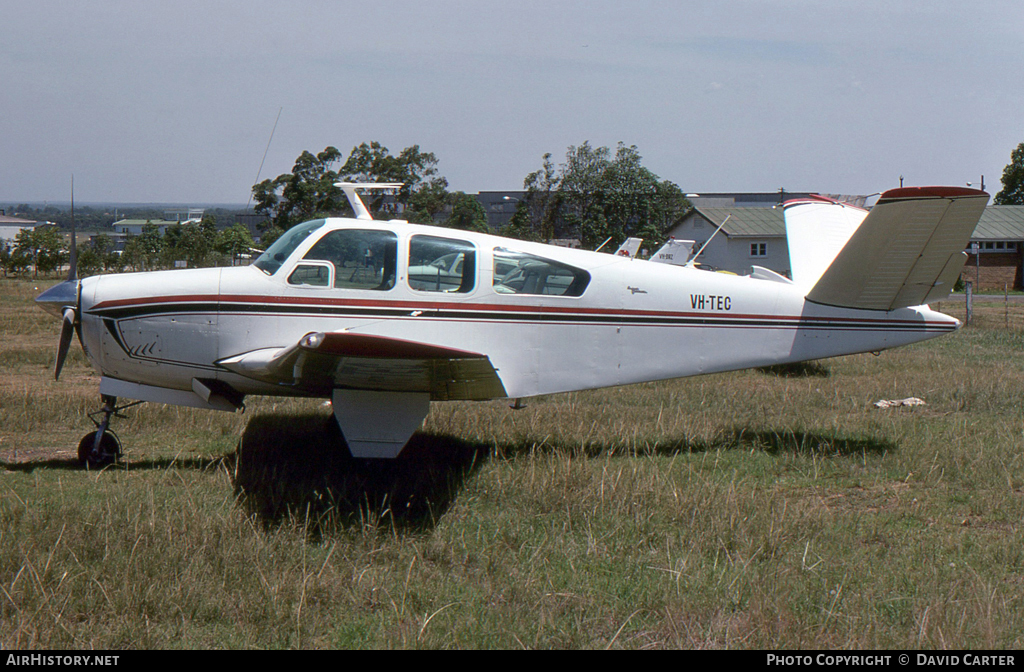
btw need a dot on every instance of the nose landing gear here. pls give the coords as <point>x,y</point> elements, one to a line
<point>102,447</point>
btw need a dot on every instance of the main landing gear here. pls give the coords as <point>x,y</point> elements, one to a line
<point>102,447</point>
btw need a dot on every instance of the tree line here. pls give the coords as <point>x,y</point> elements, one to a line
<point>99,219</point>
<point>596,194</point>
<point>46,250</point>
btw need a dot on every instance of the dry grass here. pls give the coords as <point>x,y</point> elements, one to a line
<point>757,509</point>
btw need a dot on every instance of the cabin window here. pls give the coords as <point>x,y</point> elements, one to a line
<point>362,259</point>
<point>759,249</point>
<point>521,273</point>
<point>270,261</point>
<point>441,264</point>
<point>311,275</point>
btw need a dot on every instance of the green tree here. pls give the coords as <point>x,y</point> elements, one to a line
<point>308,192</point>
<point>14,260</point>
<point>539,210</point>
<point>143,252</point>
<point>520,225</point>
<point>1012,192</point>
<point>90,262</point>
<point>270,235</point>
<point>581,189</point>
<point>234,242</point>
<point>428,202</point>
<point>423,193</point>
<point>104,248</point>
<point>595,195</point>
<point>44,246</point>
<point>197,243</point>
<point>468,214</point>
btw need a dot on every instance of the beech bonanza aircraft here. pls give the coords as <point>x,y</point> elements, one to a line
<point>384,317</point>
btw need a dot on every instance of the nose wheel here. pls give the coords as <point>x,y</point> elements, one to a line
<point>102,447</point>
<point>97,450</point>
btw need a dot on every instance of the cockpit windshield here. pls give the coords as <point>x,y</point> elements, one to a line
<point>276,254</point>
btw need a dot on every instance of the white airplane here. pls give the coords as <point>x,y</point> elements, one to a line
<point>358,311</point>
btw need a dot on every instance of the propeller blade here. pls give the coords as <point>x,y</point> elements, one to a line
<point>67,330</point>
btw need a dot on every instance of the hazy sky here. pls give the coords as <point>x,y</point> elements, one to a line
<point>175,101</point>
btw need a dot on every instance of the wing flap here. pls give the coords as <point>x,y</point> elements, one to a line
<point>905,251</point>
<point>321,362</point>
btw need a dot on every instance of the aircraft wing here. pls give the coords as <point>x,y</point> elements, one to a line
<point>909,250</point>
<point>321,362</point>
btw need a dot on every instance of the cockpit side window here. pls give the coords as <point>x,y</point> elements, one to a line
<point>521,273</point>
<point>441,264</point>
<point>362,258</point>
<point>278,253</point>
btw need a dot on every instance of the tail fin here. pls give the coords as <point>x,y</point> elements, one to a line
<point>675,252</point>
<point>629,248</point>
<point>908,250</point>
<point>817,228</point>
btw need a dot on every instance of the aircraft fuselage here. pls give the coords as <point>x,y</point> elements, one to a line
<point>634,321</point>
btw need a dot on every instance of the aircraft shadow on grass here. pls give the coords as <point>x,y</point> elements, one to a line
<point>296,469</point>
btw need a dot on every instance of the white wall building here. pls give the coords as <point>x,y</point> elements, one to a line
<point>749,237</point>
<point>10,227</point>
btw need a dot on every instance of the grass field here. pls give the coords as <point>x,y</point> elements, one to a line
<point>757,509</point>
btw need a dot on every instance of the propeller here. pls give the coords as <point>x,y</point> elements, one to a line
<point>67,330</point>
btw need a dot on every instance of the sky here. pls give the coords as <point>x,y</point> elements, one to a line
<point>174,102</point>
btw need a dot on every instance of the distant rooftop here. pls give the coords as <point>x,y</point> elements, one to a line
<point>756,221</point>
<point>765,199</point>
<point>752,199</point>
<point>1001,222</point>
<point>16,221</point>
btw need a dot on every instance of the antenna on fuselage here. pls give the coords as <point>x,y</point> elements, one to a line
<point>693,261</point>
<point>353,198</point>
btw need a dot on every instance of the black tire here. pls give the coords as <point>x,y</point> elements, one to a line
<point>110,450</point>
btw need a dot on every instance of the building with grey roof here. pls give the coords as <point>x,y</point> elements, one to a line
<point>756,236</point>
<point>748,237</point>
<point>995,255</point>
<point>10,227</point>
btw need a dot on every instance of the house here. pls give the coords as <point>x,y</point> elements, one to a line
<point>995,254</point>
<point>748,237</point>
<point>10,227</point>
<point>756,236</point>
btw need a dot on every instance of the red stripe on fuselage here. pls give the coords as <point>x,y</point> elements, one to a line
<point>227,300</point>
